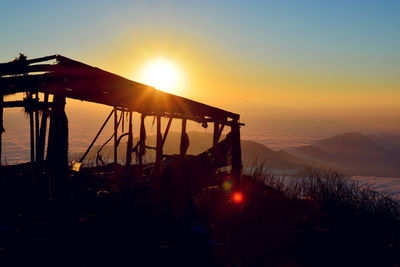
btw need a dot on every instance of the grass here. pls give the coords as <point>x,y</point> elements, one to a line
<point>329,189</point>
<point>317,218</point>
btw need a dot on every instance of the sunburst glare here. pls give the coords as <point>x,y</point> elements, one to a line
<point>163,74</point>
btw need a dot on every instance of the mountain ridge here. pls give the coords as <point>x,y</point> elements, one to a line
<point>356,152</point>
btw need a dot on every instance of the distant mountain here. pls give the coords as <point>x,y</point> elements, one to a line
<point>389,141</point>
<point>352,153</point>
<point>360,154</point>
<point>253,153</point>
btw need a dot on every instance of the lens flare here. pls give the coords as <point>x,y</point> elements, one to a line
<point>237,197</point>
<point>227,186</point>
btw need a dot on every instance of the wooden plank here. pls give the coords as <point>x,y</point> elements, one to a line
<point>215,135</point>
<point>31,126</point>
<point>57,151</point>
<point>42,133</point>
<point>157,163</point>
<point>8,65</point>
<point>36,113</point>
<point>184,139</point>
<point>25,69</point>
<point>22,104</point>
<point>16,84</point>
<point>130,142</point>
<point>1,124</point>
<point>236,154</point>
<point>81,81</point>
<point>115,136</point>
<point>166,132</point>
<point>142,141</point>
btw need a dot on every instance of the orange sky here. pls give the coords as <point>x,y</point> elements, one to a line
<point>266,95</point>
<point>314,68</point>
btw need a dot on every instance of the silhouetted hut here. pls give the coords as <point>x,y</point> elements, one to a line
<point>64,78</point>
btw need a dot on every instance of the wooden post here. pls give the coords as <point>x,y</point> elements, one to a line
<point>164,137</point>
<point>130,142</point>
<point>42,134</point>
<point>142,141</point>
<point>57,150</point>
<point>31,125</point>
<point>215,135</point>
<point>157,163</point>
<point>123,121</point>
<point>115,136</point>
<point>1,123</point>
<point>37,127</point>
<point>184,140</point>
<point>218,128</point>
<point>236,153</point>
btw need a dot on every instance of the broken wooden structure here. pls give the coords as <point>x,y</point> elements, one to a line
<point>62,78</point>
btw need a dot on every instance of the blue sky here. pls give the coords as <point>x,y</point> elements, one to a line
<point>304,30</point>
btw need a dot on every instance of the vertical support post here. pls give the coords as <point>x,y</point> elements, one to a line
<point>164,137</point>
<point>142,141</point>
<point>236,153</point>
<point>37,127</point>
<point>42,134</point>
<point>115,136</point>
<point>31,125</point>
<point>184,139</point>
<point>157,163</point>
<point>216,132</point>
<point>57,150</point>
<point>123,121</point>
<point>1,123</point>
<point>130,142</point>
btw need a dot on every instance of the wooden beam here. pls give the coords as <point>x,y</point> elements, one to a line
<point>57,151</point>
<point>115,136</point>
<point>22,104</point>
<point>1,123</point>
<point>93,84</point>
<point>166,132</point>
<point>142,141</point>
<point>25,69</point>
<point>130,141</point>
<point>123,121</point>
<point>31,125</point>
<point>236,154</point>
<point>18,84</point>
<point>36,128</point>
<point>184,139</point>
<point>218,128</point>
<point>220,132</point>
<point>159,148</point>
<point>215,135</point>
<point>42,133</point>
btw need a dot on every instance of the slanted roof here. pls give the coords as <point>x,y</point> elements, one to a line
<point>60,75</point>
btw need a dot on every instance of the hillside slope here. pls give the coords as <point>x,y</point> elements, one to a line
<point>358,153</point>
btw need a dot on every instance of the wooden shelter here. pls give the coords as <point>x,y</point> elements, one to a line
<point>64,78</point>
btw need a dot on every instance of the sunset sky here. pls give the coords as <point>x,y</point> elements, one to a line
<point>301,67</point>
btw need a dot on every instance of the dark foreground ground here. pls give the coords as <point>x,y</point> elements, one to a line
<point>106,222</point>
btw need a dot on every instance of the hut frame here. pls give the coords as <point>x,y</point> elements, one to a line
<point>63,78</point>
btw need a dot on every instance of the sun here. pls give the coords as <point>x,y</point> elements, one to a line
<point>162,74</point>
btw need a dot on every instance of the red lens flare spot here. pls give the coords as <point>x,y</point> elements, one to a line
<point>227,186</point>
<point>237,197</point>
